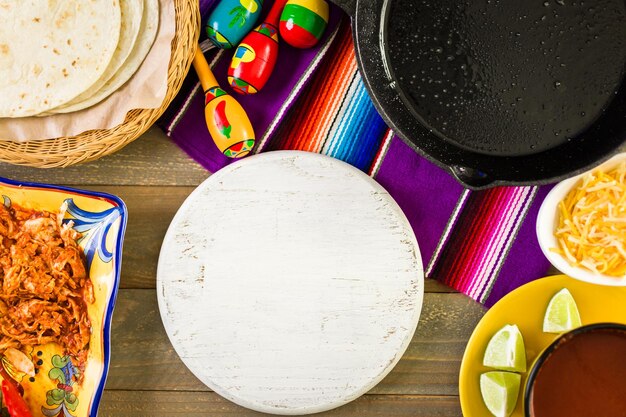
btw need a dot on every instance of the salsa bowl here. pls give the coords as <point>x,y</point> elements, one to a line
<point>581,373</point>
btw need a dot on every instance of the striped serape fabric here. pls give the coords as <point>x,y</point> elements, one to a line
<point>481,243</point>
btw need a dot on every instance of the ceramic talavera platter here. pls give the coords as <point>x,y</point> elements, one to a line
<point>101,218</point>
<point>290,282</point>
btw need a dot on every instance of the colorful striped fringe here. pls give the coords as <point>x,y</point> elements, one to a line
<point>481,243</point>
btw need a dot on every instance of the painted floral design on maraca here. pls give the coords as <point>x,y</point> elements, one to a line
<point>231,20</point>
<point>242,13</point>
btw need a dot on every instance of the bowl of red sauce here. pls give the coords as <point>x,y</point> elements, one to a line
<point>582,373</point>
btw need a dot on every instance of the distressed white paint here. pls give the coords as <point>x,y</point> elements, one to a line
<point>290,282</point>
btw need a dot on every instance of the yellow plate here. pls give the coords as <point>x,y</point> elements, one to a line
<point>526,307</point>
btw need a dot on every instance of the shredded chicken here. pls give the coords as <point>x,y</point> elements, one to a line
<point>44,287</point>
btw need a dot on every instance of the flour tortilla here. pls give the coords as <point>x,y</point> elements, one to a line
<point>131,12</point>
<point>147,34</point>
<point>52,51</point>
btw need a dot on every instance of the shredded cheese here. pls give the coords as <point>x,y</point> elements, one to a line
<point>591,228</point>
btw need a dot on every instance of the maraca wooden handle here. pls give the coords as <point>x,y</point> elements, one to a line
<point>226,120</point>
<point>274,15</point>
<point>207,79</point>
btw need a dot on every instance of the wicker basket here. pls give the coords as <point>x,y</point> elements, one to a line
<point>94,144</point>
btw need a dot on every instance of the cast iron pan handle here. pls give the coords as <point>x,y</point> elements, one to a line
<point>470,177</point>
<point>348,6</point>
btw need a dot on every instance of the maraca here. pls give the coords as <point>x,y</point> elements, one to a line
<point>303,22</point>
<point>231,20</point>
<point>256,55</point>
<point>227,121</point>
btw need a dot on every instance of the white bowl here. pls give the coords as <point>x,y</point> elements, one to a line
<point>547,219</point>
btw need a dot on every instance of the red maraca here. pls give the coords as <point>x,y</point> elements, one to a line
<point>255,57</point>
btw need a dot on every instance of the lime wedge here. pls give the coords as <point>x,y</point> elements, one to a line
<point>500,391</point>
<point>505,350</point>
<point>561,314</point>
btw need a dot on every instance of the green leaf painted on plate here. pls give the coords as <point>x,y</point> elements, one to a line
<point>56,373</point>
<point>55,396</point>
<point>60,361</point>
<point>71,401</point>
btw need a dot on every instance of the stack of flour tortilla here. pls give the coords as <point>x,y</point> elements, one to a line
<point>63,56</point>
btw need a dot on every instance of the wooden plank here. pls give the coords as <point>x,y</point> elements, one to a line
<point>161,404</point>
<point>153,159</point>
<point>144,359</point>
<point>430,285</point>
<point>432,361</point>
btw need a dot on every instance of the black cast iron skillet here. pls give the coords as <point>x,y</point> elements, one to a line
<point>499,92</point>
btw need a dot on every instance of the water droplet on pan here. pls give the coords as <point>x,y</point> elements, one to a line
<point>492,69</point>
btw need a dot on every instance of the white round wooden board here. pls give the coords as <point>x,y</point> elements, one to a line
<point>290,282</point>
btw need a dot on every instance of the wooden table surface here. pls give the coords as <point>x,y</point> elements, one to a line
<point>146,377</point>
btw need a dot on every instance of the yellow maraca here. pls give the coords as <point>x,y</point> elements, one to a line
<point>226,120</point>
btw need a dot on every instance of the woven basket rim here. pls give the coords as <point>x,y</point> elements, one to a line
<point>94,144</point>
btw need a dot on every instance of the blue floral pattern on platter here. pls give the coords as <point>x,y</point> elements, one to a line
<point>94,227</point>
